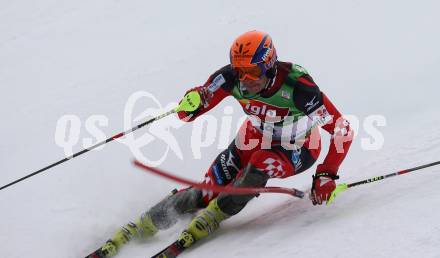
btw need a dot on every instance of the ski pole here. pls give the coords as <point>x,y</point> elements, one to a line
<point>342,187</point>
<point>190,103</point>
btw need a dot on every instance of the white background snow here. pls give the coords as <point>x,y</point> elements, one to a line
<point>86,58</point>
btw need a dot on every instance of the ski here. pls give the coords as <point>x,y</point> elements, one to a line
<point>96,254</point>
<point>107,250</point>
<point>171,251</point>
<point>185,240</point>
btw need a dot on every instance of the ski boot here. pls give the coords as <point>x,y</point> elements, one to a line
<point>143,228</point>
<point>206,222</point>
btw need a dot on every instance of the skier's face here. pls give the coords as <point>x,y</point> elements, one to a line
<point>254,86</point>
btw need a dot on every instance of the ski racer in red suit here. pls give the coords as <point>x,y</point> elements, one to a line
<point>281,138</point>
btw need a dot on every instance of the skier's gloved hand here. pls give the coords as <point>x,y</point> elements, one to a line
<point>205,96</point>
<point>194,100</point>
<point>322,187</point>
<point>190,103</point>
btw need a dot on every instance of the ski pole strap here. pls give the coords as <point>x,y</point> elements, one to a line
<point>318,175</point>
<point>322,174</point>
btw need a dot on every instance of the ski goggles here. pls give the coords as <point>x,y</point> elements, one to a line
<point>250,73</point>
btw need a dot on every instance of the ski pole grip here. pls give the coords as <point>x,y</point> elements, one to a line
<point>339,188</point>
<point>190,102</point>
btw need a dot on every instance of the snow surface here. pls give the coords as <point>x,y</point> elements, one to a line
<point>86,58</point>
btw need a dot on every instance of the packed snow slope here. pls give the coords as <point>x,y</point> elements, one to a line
<point>87,58</point>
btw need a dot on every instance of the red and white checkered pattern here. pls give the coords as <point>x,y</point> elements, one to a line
<point>274,168</point>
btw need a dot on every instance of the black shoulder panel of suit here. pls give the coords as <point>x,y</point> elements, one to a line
<point>284,67</point>
<point>307,96</point>
<point>228,74</point>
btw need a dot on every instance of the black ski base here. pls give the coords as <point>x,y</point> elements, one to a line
<point>171,251</point>
<point>96,254</point>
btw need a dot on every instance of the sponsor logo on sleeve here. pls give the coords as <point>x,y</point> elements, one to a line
<point>218,81</point>
<point>321,116</point>
<point>311,104</point>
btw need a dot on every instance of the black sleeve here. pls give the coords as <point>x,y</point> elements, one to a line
<point>307,96</point>
<point>225,77</point>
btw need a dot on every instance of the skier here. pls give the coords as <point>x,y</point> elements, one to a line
<point>279,97</point>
